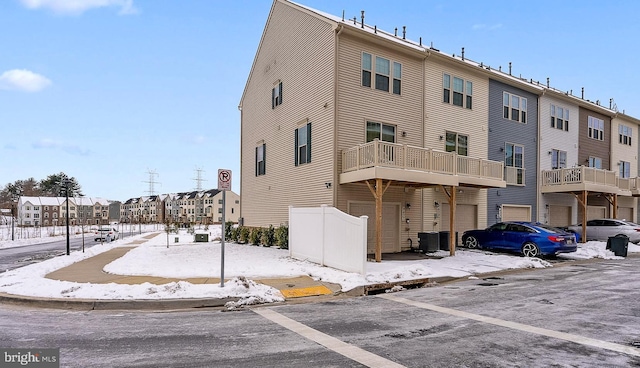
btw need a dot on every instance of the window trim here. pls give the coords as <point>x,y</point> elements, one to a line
<point>369,76</point>
<point>624,134</point>
<point>298,145</point>
<point>276,100</point>
<point>556,159</point>
<point>594,132</point>
<point>449,91</point>
<point>508,108</point>
<point>380,136</point>
<point>595,162</point>
<point>365,70</point>
<point>520,177</point>
<point>456,144</point>
<point>261,169</point>
<point>625,169</point>
<point>559,122</point>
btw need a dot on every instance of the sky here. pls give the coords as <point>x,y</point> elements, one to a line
<point>139,97</point>
<point>245,265</point>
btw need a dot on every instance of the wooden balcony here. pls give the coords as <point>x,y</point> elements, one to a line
<point>418,166</point>
<point>585,178</point>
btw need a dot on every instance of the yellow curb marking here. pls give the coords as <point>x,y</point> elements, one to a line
<point>308,291</point>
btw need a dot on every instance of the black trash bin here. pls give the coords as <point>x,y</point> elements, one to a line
<point>444,240</point>
<point>618,244</point>
<point>428,242</point>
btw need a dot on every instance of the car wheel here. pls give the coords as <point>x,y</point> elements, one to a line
<point>471,242</point>
<point>530,250</point>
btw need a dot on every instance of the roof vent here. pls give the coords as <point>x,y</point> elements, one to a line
<point>509,68</point>
<point>362,17</point>
<point>463,53</point>
<point>404,32</point>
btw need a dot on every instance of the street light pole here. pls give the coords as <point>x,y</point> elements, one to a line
<point>66,192</point>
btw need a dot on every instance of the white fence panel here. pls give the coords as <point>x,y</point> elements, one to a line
<point>329,237</point>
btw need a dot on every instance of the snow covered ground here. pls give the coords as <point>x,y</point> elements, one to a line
<point>245,263</point>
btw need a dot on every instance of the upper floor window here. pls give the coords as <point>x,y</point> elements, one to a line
<point>625,169</point>
<point>260,159</point>
<point>303,144</point>
<point>514,107</point>
<point>514,163</point>
<point>624,134</point>
<point>383,132</point>
<point>276,95</point>
<point>558,159</point>
<point>366,69</point>
<point>559,118</point>
<point>596,128</point>
<point>462,91</point>
<point>456,143</point>
<point>397,78</point>
<point>382,72</point>
<point>595,162</point>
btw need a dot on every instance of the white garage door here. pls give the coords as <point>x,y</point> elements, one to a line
<point>466,218</point>
<point>390,225</point>
<point>559,215</point>
<point>516,213</point>
<point>625,213</point>
<point>596,212</point>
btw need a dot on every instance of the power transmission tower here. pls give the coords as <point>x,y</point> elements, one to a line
<point>199,179</point>
<point>152,182</point>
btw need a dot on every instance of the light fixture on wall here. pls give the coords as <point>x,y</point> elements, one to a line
<point>327,185</point>
<point>550,152</point>
<point>501,149</point>
<point>441,137</point>
<point>407,221</point>
<point>404,134</point>
<point>436,204</point>
<point>408,205</point>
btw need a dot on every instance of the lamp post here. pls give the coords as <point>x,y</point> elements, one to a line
<point>66,193</point>
<point>13,209</point>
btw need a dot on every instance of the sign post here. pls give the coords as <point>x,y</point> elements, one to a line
<point>224,184</point>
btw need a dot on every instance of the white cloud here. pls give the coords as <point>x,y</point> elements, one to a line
<point>47,143</point>
<point>76,7</point>
<point>23,80</point>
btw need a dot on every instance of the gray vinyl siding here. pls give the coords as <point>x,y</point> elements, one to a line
<point>503,131</point>
<point>297,49</point>
<point>590,147</point>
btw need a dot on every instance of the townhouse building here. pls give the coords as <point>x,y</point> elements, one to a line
<point>338,112</point>
<point>52,211</point>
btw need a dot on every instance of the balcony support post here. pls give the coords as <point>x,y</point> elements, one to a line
<point>378,192</point>
<point>451,197</point>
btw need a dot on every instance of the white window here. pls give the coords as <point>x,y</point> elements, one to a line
<point>462,91</point>
<point>560,118</point>
<point>397,78</point>
<point>625,169</point>
<point>624,134</point>
<point>383,132</point>
<point>457,143</point>
<point>514,163</point>
<point>514,107</point>
<point>382,74</point>
<point>558,159</point>
<point>366,69</point>
<point>260,160</point>
<point>303,144</point>
<point>276,95</point>
<point>596,128</point>
<point>595,162</point>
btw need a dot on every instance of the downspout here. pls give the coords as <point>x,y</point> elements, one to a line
<point>336,175</point>
<point>539,174</point>
<point>240,214</point>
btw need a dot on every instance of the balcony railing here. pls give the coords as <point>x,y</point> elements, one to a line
<point>514,175</point>
<point>585,176</point>
<point>393,155</point>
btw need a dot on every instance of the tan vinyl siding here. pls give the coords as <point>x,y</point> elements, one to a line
<point>591,147</point>
<point>623,152</point>
<point>297,49</point>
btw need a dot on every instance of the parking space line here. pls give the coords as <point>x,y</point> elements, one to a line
<point>519,326</point>
<point>350,351</point>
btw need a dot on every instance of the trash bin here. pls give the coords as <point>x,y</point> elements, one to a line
<point>429,242</point>
<point>444,240</point>
<point>202,238</point>
<point>618,244</point>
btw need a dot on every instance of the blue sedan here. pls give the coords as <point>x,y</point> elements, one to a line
<point>531,239</point>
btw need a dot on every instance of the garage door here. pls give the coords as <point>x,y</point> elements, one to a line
<point>625,213</point>
<point>390,225</point>
<point>596,212</point>
<point>559,215</point>
<point>466,218</point>
<point>516,213</point>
